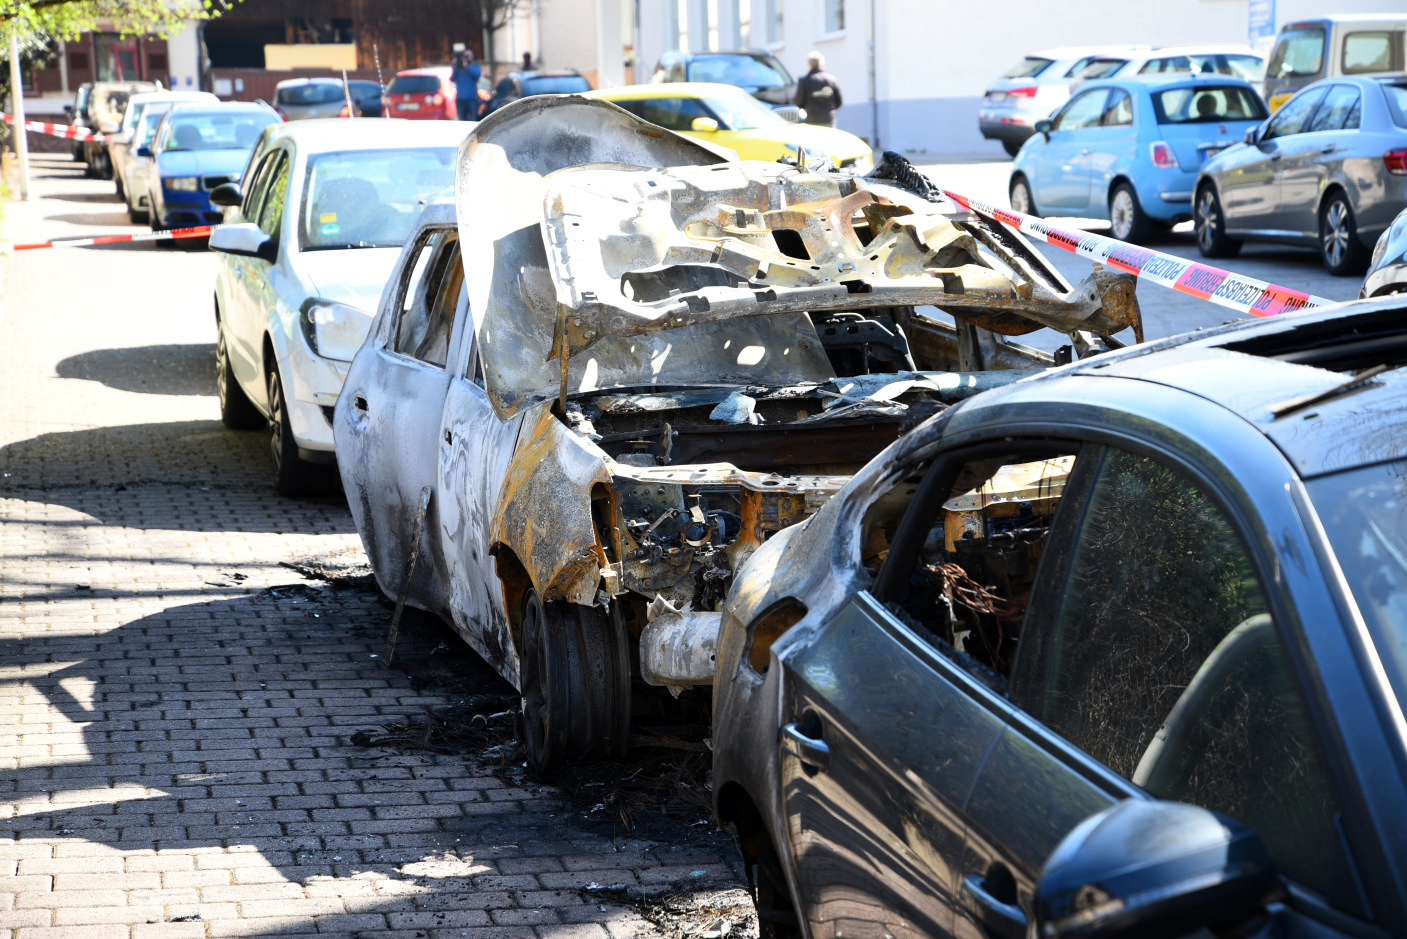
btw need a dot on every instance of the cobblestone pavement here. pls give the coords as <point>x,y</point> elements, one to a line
<point>173,732</point>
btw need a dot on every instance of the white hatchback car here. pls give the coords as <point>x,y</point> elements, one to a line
<point>314,228</point>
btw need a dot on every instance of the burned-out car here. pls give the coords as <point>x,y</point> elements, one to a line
<point>631,361</point>
<point>1171,574</point>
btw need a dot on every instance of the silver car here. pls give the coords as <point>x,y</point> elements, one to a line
<point>1035,88</point>
<point>1329,169</point>
<point>300,99</point>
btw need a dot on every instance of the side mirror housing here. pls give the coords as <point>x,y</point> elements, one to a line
<point>704,125</point>
<point>227,194</point>
<point>68,110</point>
<point>1252,136</point>
<point>244,239</point>
<point>1143,867</point>
<point>1043,128</point>
<point>144,151</point>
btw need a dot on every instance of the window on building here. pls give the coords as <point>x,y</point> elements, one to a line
<point>835,15</point>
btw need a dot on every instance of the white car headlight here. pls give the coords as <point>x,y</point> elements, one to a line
<point>335,330</point>
<point>182,183</point>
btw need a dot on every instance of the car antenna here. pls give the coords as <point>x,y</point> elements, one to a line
<point>1278,411</point>
<point>376,56</point>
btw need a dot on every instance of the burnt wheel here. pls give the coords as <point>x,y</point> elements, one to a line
<point>776,913</point>
<point>575,681</point>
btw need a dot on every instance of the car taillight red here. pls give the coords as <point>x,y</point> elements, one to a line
<point>1029,92</point>
<point>281,116</point>
<point>1163,156</point>
<point>345,112</point>
<point>1396,161</point>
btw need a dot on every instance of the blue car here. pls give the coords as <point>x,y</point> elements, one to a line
<point>1130,150</point>
<point>196,148</point>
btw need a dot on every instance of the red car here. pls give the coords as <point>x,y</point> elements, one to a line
<point>421,94</point>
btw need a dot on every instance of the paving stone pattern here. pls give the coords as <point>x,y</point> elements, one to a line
<point>174,761</point>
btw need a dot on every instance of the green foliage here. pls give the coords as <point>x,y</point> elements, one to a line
<point>42,21</point>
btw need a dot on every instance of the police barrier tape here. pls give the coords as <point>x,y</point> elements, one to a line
<point>58,130</point>
<point>199,231</point>
<point>1243,294</point>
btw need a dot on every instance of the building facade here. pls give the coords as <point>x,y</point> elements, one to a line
<point>921,89</point>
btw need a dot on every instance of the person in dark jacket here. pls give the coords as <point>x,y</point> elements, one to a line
<point>818,92</point>
<point>465,75</point>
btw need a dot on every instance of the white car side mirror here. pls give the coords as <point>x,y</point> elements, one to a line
<point>244,239</point>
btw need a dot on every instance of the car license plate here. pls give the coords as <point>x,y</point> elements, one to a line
<point>1209,152</point>
<point>998,96</point>
<point>408,106</point>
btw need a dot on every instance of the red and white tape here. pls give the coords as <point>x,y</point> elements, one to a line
<point>1243,294</point>
<point>58,130</point>
<point>199,231</point>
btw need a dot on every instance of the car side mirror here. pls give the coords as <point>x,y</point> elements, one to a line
<point>144,151</point>
<point>704,125</point>
<point>244,239</point>
<point>1144,867</point>
<point>1252,135</point>
<point>68,110</point>
<point>1043,128</point>
<point>227,194</point>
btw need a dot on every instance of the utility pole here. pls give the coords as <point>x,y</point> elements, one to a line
<point>17,96</point>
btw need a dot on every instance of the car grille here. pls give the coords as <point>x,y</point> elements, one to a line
<point>210,182</point>
<point>789,112</point>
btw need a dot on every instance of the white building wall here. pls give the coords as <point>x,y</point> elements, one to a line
<point>183,58</point>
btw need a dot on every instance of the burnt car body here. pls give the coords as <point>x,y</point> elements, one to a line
<point>644,360</point>
<point>1174,572</point>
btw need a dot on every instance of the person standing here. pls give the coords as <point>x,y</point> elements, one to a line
<point>818,92</point>
<point>528,65</point>
<point>465,74</point>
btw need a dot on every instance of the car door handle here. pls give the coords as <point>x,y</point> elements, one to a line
<point>449,437</point>
<point>1329,148</point>
<point>1000,919</point>
<point>813,752</point>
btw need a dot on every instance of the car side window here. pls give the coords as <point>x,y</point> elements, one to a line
<point>1118,112</point>
<point>1084,110</point>
<point>673,113</point>
<point>1295,115</point>
<point>271,213</point>
<point>1340,110</point>
<point>258,185</point>
<point>427,315</point>
<point>1161,660</point>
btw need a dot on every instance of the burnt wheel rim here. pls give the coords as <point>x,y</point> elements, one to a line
<point>1121,214</point>
<point>1208,220</point>
<point>276,419</point>
<point>1336,233</point>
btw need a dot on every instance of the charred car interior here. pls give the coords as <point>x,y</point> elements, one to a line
<point>660,358</point>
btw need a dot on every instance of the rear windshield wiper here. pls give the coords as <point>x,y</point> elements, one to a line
<point>1353,384</point>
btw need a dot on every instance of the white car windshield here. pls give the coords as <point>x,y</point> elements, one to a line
<point>744,112</point>
<point>370,198</point>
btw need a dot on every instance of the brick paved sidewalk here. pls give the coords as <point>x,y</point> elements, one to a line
<point>174,756</point>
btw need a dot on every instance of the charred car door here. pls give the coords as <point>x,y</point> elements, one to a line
<point>396,392</point>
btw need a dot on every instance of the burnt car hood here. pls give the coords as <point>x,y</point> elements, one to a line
<point>602,252</point>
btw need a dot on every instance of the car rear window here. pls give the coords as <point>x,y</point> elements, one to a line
<point>413,85</point>
<point>741,70</point>
<point>554,85</point>
<point>1376,51</point>
<point>320,93</point>
<point>1246,67</point>
<point>1396,94</point>
<point>1029,67</point>
<point>1299,53</point>
<point>1207,104</point>
<point>1101,68</point>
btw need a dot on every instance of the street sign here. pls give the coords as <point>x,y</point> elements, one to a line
<point>1260,24</point>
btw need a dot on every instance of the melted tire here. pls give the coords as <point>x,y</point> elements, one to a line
<point>575,683</point>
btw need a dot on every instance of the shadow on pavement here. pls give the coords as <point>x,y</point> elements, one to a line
<point>154,370</point>
<point>109,197</point>
<point>104,220</point>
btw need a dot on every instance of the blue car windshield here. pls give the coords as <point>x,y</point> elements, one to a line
<point>216,131</point>
<point>370,198</point>
<point>745,71</point>
<point>1364,512</point>
<point>1207,104</point>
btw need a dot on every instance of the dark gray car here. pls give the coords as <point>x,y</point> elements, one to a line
<point>1328,169</point>
<point>300,99</point>
<point>1174,572</point>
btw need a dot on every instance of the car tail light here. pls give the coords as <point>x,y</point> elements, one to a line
<point>1396,161</point>
<point>1029,92</point>
<point>1163,156</point>
<point>345,112</point>
<point>281,116</point>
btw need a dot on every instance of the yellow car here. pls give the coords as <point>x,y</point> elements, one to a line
<point>730,117</point>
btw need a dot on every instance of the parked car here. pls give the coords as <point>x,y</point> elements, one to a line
<point>1387,270</point>
<point>636,383</point>
<point>315,226</point>
<point>1328,169</point>
<point>366,97</point>
<point>1130,150</point>
<point>121,149</point>
<point>78,114</point>
<point>421,94</point>
<point>756,71</point>
<point>1172,573</point>
<point>1208,59</point>
<point>1032,90</point>
<point>1330,47</point>
<point>728,116</point>
<point>106,103</point>
<point>196,149</point>
<point>526,84</point>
